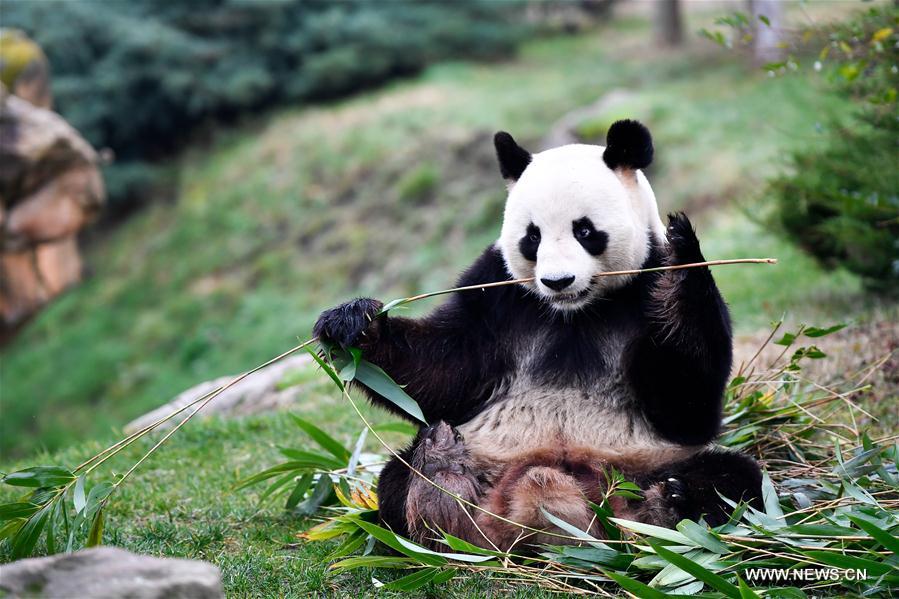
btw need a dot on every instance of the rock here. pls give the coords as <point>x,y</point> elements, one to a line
<point>258,392</point>
<point>50,188</point>
<point>107,572</point>
<point>565,130</point>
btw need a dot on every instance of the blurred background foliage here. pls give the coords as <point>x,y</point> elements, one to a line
<point>144,77</point>
<point>840,199</point>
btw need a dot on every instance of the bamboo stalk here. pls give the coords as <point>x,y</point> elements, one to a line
<point>613,273</point>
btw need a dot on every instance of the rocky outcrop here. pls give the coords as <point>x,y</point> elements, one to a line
<point>600,115</point>
<point>50,188</point>
<point>109,572</point>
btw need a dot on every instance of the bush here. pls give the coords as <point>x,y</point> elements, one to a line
<point>841,200</point>
<point>141,77</point>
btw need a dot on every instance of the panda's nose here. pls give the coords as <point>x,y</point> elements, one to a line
<point>558,284</point>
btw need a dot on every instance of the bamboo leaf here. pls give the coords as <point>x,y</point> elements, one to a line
<point>275,471</point>
<point>459,557</point>
<point>573,530</point>
<point>393,304</point>
<point>51,526</point>
<point>353,542</point>
<point>851,562</point>
<point>95,536</point>
<point>745,591</point>
<point>374,561</point>
<point>389,538</point>
<point>444,576</point>
<point>326,441</point>
<point>380,382</point>
<point>78,498</point>
<point>697,571</point>
<point>10,511</point>
<point>413,581</point>
<point>328,370</point>
<point>603,513</point>
<point>11,527</point>
<point>636,587</point>
<point>39,476</point>
<point>303,484</point>
<point>97,496</point>
<point>461,545</point>
<point>702,536</point>
<point>888,540</point>
<point>308,458</point>
<point>769,497</point>
<point>650,530</point>
<point>278,484</point>
<point>816,332</point>
<point>319,494</point>
<point>858,493</point>
<point>26,537</point>
<point>357,451</point>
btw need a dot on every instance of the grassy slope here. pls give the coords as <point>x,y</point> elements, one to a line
<point>281,221</point>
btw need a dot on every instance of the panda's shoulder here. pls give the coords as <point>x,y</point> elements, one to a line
<point>489,267</point>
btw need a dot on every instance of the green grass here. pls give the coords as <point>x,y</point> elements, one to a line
<point>385,194</point>
<point>181,503</point>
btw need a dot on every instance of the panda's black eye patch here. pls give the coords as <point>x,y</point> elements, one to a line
<point>590,239</point>
<point>530,242</point>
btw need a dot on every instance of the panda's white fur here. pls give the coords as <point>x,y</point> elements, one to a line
<point>559,187</point>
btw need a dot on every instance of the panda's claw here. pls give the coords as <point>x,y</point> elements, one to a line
<point>346,323</point>
<point>682,240</point>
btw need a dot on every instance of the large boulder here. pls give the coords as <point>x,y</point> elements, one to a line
<point>50,188</point>
<point>109,572</point>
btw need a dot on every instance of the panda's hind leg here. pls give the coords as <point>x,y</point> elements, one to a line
<point>690,489</point>
<point>441,456</point>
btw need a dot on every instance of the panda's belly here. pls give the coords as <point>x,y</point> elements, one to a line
<point>527,418</point>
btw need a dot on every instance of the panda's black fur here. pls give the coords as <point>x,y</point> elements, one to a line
<point>677,360</point>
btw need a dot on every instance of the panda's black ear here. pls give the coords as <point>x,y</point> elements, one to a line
<point>628,146</point>
<point>513,159</point>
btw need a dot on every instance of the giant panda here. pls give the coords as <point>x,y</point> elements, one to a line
<point>534,391</point>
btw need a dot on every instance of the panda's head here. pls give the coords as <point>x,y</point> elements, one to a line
<point>576,211</point>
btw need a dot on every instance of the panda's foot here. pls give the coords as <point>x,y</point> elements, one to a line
<point>440,449</point>
<point>694,488</point>
<point>664,503</point>
<point>442,488</point>
<point>348,322</point>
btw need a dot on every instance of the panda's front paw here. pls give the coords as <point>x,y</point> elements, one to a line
<point>682,241</point>
<point>674,493</point>
<point>663,503</point>
<point>348,322</point>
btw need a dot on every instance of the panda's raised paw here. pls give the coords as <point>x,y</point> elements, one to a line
<point>682,240</point>
<point>348,322</point>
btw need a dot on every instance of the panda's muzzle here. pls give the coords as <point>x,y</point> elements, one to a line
<point>570,297</point>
